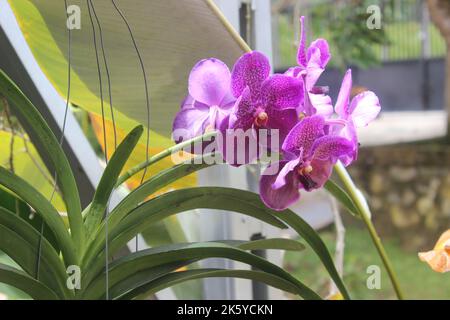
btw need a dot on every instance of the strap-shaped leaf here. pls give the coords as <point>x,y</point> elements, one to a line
<point>136,280</point>
<point>212,198</point>
<point>28,233</point>
<point>163,154</point>
<point>169,204</point>
<point>44,208</point>
<point>142,260</point>
<point>20,280</point>
<point>24,254</point>
<point>155,183</point>
<point>65,179</point>
<point>342,196</point>
<point>109,179</point>
<point>17,206</point>
<point>152,286</point>
<point>267,244</point>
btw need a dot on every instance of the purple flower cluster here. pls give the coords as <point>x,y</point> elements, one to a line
<point>313,134</point>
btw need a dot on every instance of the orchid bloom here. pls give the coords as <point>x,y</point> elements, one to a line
<point>439,258</point>
<point>358,112</point>
<point>264,102</point>
<point>310,153</point>
<point>209,100</point>
<point>311,64</point>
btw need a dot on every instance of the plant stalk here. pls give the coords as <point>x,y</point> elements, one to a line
<point>365,215</point>
<point>165,153</point>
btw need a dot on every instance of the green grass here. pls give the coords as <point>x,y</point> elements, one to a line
<point>404,38</point>
<point>417,280</point>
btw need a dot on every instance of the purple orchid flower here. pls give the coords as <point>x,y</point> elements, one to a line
<point>209,100</point>
<point>311,64</point>
<point>310,154</point>
<point>358,112</point>
<point>263,102</point>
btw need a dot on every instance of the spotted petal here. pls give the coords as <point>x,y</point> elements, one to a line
<point>303,135</point>
<point>330,148</point>
<point>243,114</point>
<point>250,70</point>
<point>281,92</point>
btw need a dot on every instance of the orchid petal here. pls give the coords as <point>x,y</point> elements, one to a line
<point>301,55</point>
<point>331,148</point>
<point>321,172</point>
<point>281,91</point>
<point>343,99</point>
<point>209,81</point>
<point>364,108</point>
<point>243,114</point>
<point>348,132</point>
<point>322,104</point>
<point>280,198</point>
<point>303,135</point>
<point>319,53</point>
<point>283,121</point>
<point>290,166</point>
<point>293,72</point>
<point>251,69</point>
<point>238,147</point>
<point>191,120</point>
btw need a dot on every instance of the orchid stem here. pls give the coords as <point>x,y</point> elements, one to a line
<point>165,153</point>
<point>365,215</point>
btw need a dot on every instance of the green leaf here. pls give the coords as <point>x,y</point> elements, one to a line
<point>25,254</point>
<point>151,286</point>
<point>266,244</point>
<point>65,179</point>
<point>142,260</point>
<point>139,279</point>
<point>155,183</point>
<point>10,202</point>
<point>27,232</point>
<point>43,208</point>
<point>20,280</point>
<point>291,219</point>
<point>342,196</point>
<point>172,203</point>
<point>109,178</point>
<point>165,153</point>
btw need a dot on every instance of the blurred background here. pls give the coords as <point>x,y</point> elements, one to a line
<point>403,166</point>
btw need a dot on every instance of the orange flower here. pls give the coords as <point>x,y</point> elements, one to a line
<point>439,258</point>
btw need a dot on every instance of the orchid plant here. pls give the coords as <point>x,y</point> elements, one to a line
<point>309,135</point>
<point>314,135</point>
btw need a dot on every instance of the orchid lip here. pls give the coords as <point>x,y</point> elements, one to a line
<point>307,182</point>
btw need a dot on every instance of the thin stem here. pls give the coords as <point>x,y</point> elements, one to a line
<point>365,215</point>
<point>162,155</point>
